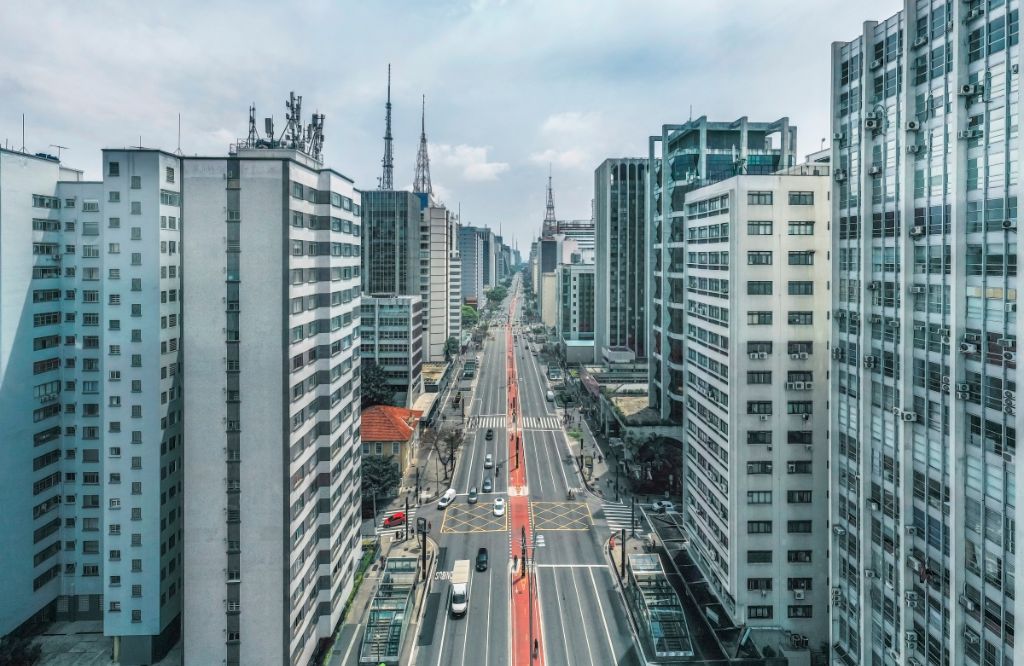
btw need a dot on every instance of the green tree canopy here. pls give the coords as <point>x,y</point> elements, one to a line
<point>469,316</point>
<point>375,387</point>
<point>451,347</point>
<point>380,476</point>
<point>497,294</point>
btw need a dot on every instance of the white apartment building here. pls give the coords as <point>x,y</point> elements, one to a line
<point>748,333</point>
<point>926,121</point>
<point>471,250</point>
<point>272,282</point>
<point>435,277</point>
<point>90,392</point>
<point>391,337</point>
<point>454,279</point>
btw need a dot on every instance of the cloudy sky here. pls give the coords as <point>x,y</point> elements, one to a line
<point>511,85</point>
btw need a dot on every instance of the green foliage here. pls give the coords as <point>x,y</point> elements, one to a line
<point>497,294</point>
<point>19,650</point>
<point>451,347</point>
<point>469,316</point>
<point>375,387</point>
<point>575,433</point>
<point>380,475</point>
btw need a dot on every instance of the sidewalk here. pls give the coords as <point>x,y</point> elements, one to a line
<point>600,480</point>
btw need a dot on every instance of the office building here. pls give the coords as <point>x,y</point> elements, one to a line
<point>576,311</point>
<point>454,280</point>
<point>471,250</point>
<point>91,396</point>
<point>926,147</point>
<point>683,158</point>
<point>489,265</point>
<point>621,329</point>
<point>749,353</point>
<point>391,337</point>
<point>272,436</point>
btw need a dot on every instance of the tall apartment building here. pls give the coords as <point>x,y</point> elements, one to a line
<point>436,277</point>
<point>391,336</point>
<point>926,121</point>
<point>489,265</point>
<point>683,158</point>
<point>272,467</point>
<point>90,390</point>
<point>454,279</point>
<point>621,328</point>
<point>576,310</point>
<point>750,346</point>
<point>471,250</point>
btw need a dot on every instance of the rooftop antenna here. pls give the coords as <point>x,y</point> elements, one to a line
<point>691,114</point>
<point>387,180</point>
<point>59,148</point>
<point>253,136</point>
<point>23,132</point>
<point>421,183</point>
<point>823,143</point>
<point>549,213</point>
<point>178,151</point>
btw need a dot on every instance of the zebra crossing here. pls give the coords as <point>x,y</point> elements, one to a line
<point>618,515</point>
<point>397,529</point>
<point>487,421</point>
<point>542,423</point>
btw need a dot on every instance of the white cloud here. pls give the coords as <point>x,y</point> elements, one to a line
<point>470,160</point>
<point>571,158</point>
<point>571,122</point>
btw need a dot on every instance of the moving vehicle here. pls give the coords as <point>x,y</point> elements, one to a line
<point>473,495</point>
<point>550,395</point>
<point>499,506</point>
<point>397,518</point>
<point>481,559</point>
<point>459,599</point>
<point>488,484</point>
<point>446,499</point>
<point>488,461</point>
<point>490,434</point>
<point>661,506</point>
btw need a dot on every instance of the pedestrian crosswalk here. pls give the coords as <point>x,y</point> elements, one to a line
<point>542,423</point>
<point>618,515</point>
<point>487,421</point>
<point>397,529</point>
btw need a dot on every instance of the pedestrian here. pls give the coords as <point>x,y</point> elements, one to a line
<point>430,526</point>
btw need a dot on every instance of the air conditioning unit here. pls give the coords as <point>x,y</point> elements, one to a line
<point>794,357</point>
<point>840,314</point>
<point>968,348</point>
<point>967,603</point>
<point>750,468</point>
<point>914,148</point>
<point>837,354</point>
<point>913,125</point>
<point>911,636</point>
<point>917,231</point>
<point>920,41</point>
<point>893,323</point>
<point>869,361</point>
<point>870,573</point>
<point>762,356</point>
<point>805,417</point>
<point>971,637</point>
<point>969,134</point>
<point>975,13</point>
<point>909,417</point>
<point>911,530</point>
<point>798,595</point>
<point>911,599</point>
<point>874,505</point>
<point>876,63</point>
<point>1008,356</point>
<point>963,386</point>
<point>808,386</point>
<point>917,289</point>
<point>839,137</point>
<point>1008,224</point>
<point>804,356</point>
<point>763,417</point>
<point>874,285</point>
<point>963,395</point>
<point>840,175</point>
<point>894,655</point>
<point>791,468</point>
<point>837,592</point>
<point>875,170</point>
<point>790,386</point>
<point>871,123</point>
<point>876,319</point>
<point>752,356</point>
<point>913,563</point>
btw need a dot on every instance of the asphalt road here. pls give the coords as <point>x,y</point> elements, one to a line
<point>582,614</point>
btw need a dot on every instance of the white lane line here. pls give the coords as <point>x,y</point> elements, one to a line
<point>558,597</point>
<point>572,566</point>
<point>540,477</point>
<point>604,620</point>
<point>547,456</point>
<point>579,604</point>
<point>487,644</point>
<point>444,628</point>
<point>351,644</point>
<point>465,639</point>
<point>561,467</point>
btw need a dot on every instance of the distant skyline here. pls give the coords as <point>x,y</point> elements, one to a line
<point>510,86</point>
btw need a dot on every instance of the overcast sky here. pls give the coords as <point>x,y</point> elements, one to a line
<point>511,85</point>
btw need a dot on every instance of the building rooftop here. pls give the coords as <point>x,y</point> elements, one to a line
<point>383,423</point>
<point>433,372</point>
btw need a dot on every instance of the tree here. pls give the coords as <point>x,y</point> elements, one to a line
<point>19,650</point>
<point>469,316</point>
<point>451,347</point>
<point>497,294</point>
<point>380,475</point>
<point>375,387</point>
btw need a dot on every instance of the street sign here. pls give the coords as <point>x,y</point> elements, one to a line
<point>421,525</point>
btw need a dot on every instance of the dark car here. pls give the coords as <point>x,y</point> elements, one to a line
<point>490,434</point>
<point>481,559</point>
<point>488,484</point>
<point>473,495</point>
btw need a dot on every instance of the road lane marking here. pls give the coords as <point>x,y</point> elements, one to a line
<point>579,604</point>
<point>604,620</point>
<point>573,566</point>
<point>558,602</point>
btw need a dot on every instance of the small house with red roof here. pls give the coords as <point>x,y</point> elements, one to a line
<point>390,432</point>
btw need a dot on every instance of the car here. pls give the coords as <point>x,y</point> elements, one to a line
<point>490,434</point>
<point>661,506</point>
<point>488,461</point>
<point>481,559</point>
<point>499,506</point>
<point>473,495</point>
<point>446,499</point>
<point>550,395</point>
<point>488,484</point>
<point>397,518</point>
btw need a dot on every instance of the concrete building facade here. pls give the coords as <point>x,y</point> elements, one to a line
<point>471,250</point>
<point>391,337</point>
<point>576,311</point>
<point>925,119</point>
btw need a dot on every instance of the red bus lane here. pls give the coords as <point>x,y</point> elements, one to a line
<point>526,638</point>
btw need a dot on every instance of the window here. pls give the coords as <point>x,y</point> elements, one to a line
<point>759,527</point>
<point>759,497</point>
<point>799,437</point>
<point>114,196</point>
<point>759,347</point>
<point>759,377</point>
<point>798,467</point>
<point>759,318</point>
<point>759,437</point>
<point>755,584</point>
<point>798,556</point>
<point>798,496</point>
<point>169,174</point>
<point>801,288</point>
<point>801,198</point>
<point>759,407</point>
<point>113,168</point>
<point>136,208</point>
<point>798,526</point>
<point>759,288</point>
<point>759,556</point>
<point>759,228</point>
<point>759,198</point>
<point>801,318</point>
<point>802,228</point>
<point>801,258</point>
<point>802,611</point>
<point>759,258</point>
<point>799,584</point>
<point>136,182</point>
<point>759,612</point>
<point>800,407</point>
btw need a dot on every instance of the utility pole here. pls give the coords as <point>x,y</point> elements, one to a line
<point>406,517</point>
<point>622,564</point>
<point>632,514</point>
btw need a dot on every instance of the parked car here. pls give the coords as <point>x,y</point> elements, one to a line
<point>490,434</point>
<point>397,518</point>
<point>473,495</point>
<point>446,499</point>
<point>661,506</point>
<point>499,506</point>
<point>481,559</point>
<point>550,396</point>
<point>488,461</point>
<point>488,484</point>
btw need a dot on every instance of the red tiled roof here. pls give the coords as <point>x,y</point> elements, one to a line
<point>382,423</point>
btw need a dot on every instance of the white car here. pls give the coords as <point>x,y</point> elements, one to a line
<point>499,507</point>
<point>664,506</point>
<point>488,461</point>
<point>446,499</point>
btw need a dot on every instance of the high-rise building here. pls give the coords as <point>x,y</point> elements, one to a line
<point>471,250</point>
<point>681,159</point>
<point>272,249</point>
<point>926,148</point>
<point>391,337</point>
<point>621,329</point>
<point>454,279</point>
<point>90,390</point>
<point>489,265</point>
<point>747,350</point>
<point>576,311</point>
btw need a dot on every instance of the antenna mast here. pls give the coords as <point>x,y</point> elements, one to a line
<point>421,183</point>
<point>387,180</point>
<point>549,213</point>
